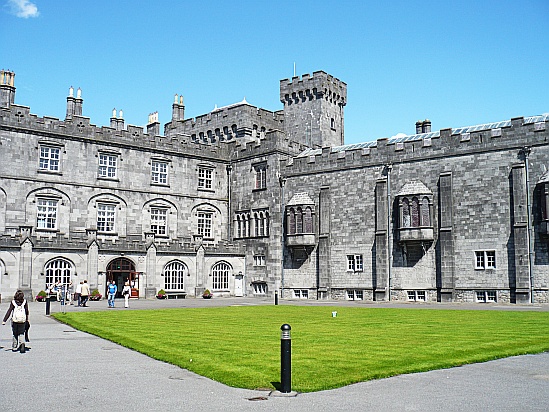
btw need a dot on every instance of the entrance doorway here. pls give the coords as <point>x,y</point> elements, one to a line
<point>238,285</point>
<point>121,270</point>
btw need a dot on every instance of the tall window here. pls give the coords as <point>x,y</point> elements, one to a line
<point>485,259</point>
<point>174,276</point>
<point>261,222</point>
<point>49,158</point>
<point>46,214</point>
<point>159,221</point>
<point>220,276</point>
<point>159,172</point>
<point>107,165</point>
<point>354,263</point>
<point>205,177</point>
<point>308,220</point>
<point>415,213</point>
<point>105,217</point>
<point>205,224</point>
<point>58,269</point>
<point>260,176</point>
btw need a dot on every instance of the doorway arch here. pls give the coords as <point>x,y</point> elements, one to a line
<point>121,270</point>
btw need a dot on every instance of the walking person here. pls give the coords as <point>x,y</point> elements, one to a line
<point>19,311</point>
<point>84,293</point>
<point>126,291</point>
<point>78,292</point>
<point>111,293</point>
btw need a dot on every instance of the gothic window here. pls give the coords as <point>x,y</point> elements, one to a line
<point>159,221</point>
<point>260,176</point>
<point>46,214</point>
<point>238,226</point>
<point>299,221</point>
<point>291,221</point>
<point>174,275</point>
<point>159,172</point>
<point>220,276</point>
<point>308,220</point>
<point>107,165</point>
<point>106,214</point>
<point>424,211</point>
<point>58,269</point>
<point>406,222</point>
<point>49,158</point>
<point>414,212</point>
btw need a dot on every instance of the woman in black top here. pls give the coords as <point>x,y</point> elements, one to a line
<point>18,328</point>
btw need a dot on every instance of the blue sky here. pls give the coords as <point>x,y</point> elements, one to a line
<point>457,63</point>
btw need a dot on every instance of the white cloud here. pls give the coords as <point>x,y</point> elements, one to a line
<point>23,8</point>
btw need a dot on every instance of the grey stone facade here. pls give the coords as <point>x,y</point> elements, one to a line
<point>245,201</point>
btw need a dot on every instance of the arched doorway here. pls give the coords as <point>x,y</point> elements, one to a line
<point>121,270</point>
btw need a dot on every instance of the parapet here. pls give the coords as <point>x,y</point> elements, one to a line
<point>319,85</point>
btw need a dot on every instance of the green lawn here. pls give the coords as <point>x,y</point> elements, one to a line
<point>240,346</point>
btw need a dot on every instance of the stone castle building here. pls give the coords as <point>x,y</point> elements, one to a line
<point>248,202</point>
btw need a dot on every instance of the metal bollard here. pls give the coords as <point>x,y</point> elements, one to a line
<point>285,359</point>
<point>47,306</point>
<point>276,297</point>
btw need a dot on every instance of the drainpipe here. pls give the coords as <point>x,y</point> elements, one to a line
<point>526,152</point>
<point>229,217</point>
<point>282,181</point>
<point>389,168</point>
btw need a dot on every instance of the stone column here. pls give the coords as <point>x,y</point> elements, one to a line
<point>151,281</point>
<point>381,275</point>
<point>445,263</point>
<point>92,269</point>
<point>200,263</point>
<point>521,279</point>
<point>324,267</point>
<point>25,261</point>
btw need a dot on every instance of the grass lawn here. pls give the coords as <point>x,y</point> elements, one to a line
<point>240,346</point>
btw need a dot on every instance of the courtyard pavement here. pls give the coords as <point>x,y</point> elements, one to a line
<point>68,370</point>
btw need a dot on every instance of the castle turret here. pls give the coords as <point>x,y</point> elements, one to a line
<point>7,89</point>
<point>313,109</point>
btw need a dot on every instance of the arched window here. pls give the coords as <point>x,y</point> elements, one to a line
<point>406,222</point>
<point>238,226</point>
<point>414,211</point>
<point>248,232</point>
<point>308,221</point>
<point>58,269</point>
<point>291,221</point>
<point>220,276</point>
<point>425,215</point>
<point>299,221</point>
<point>174,275</point>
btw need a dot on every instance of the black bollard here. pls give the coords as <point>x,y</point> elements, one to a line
<point>276,297</point>
<point>47,305</point>
<point>285,359</point>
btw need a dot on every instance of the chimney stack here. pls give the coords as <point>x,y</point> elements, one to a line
<point>153,127</point>
<point>178,109</point>
<point>7,89</point>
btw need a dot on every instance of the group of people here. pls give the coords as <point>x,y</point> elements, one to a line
<point>64,292</point>
<point>112,289</point>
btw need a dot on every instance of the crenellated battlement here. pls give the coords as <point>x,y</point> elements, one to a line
<point>517,132</point>
<point>318,86</point>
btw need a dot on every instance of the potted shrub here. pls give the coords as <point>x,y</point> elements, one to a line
<point>207,294</point>
<point>95,295</point>
<point>41,297</point>
<point>161,294</point>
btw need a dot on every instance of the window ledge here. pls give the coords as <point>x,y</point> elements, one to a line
<point>201,189</point>
<point>160,184</point>
<point>111,179</point>
<point>46,230</point>
<point>50,172</point>
<point>259,189</point>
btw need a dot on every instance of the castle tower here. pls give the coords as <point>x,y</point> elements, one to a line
<point>7,89</point>
<point>313,109</point>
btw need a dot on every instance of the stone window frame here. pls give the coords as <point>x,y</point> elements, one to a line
<point>174,273</point>
<point>45,162</point>
<point>354,294</point>
<point>261,223</point>
<point>220,276</point>
<point>260,174</point>
<point>416,295</point>
<point>58,268</point>
<point>259,260</point>
<point>300,220</point>
<point>259,288</point>
<point>355,263</point>
<point>243,225</point>
<point>38,213</point>
<point>300,293</point>
<point>205,177</point>
<point>415,211</point>
<point>103,205</point>
<point>159,177</point>
<point>105,165</point>
<point>205,223</point>
<point>485,259</point>
<point>486,296</point>
<point>166,212</point>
